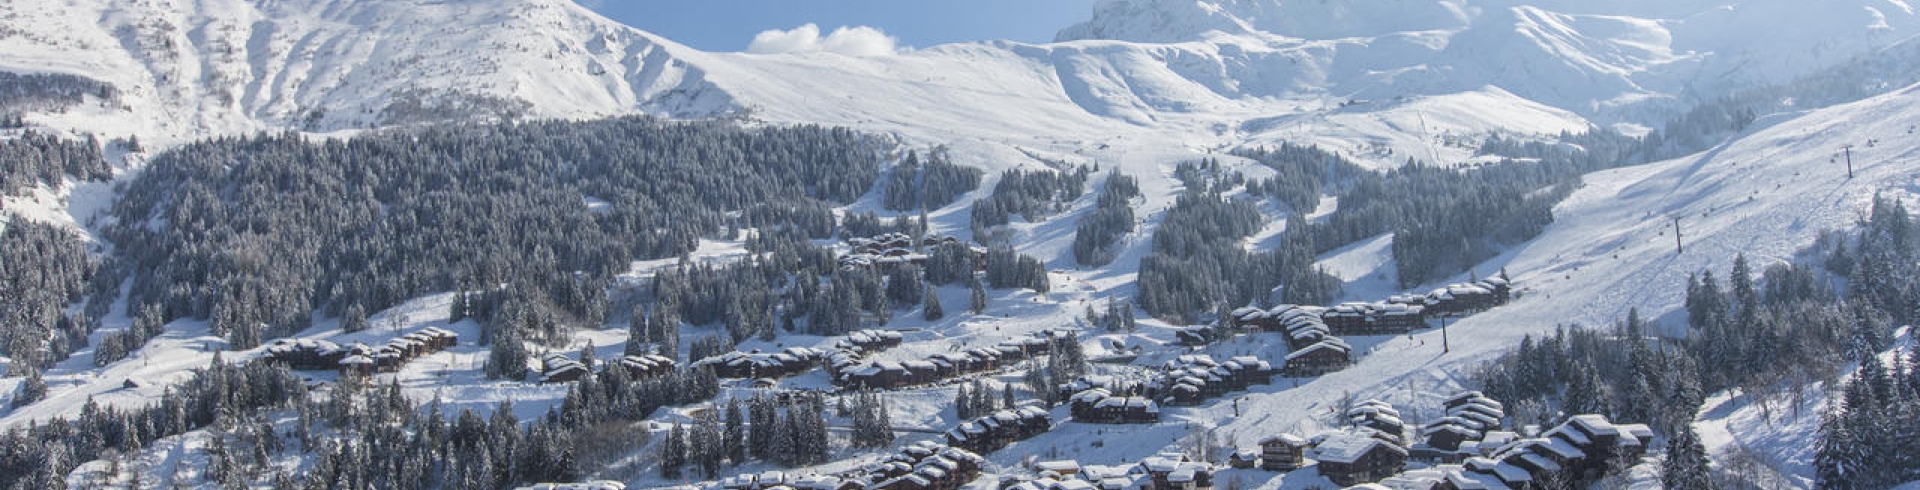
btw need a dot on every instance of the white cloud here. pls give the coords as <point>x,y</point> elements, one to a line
<point>856,41</point>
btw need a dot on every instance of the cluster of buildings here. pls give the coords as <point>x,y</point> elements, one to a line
<point>755,364</point>
<point>780,480</point>
<point>1314,348</point>
<point>1102,406</point>
<point>1574,454</point>
<point>999,429</point>
<point>889,250</point>
<point>1467,448</point>
<point>1313,333</point>
<point>1462,298</point>
<point>645,365</point>
<point>1471,419</point>
<point>1375,318</point>
<point>925,465</point>
<point>848,352</point>
<point>592,485</point>
<point>1191,379</point>
<point>1185,381</point>
<point>558,368</point>
<point>1408,312</point>
<point>359,359</point>
<point>942,366</point>
<point>1165,471</point>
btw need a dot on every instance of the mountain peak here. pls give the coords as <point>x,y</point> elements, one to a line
<point>1166,21</point>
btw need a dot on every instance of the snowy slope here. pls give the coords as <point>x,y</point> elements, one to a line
<point>1766,194</point>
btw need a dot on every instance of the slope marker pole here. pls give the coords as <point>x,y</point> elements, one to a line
<point>1677,247</point>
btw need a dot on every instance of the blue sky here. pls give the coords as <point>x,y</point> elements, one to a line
<point>729,25</point>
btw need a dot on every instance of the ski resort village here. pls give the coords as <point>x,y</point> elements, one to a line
<point>1152,245</point>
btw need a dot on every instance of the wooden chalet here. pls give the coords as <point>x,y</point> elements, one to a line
<point>1244,458</point>
<point>305,354</point>
<point>1328,355</point>
<point>356,365</point>
<point>314,355</point>
<point>741,365</point>
<point>928,466</point>
<point>1470,416</point>
<point>1379,416</point>
<point>1358,456</point>
<point>890,375</point>
<point>1253,319</point>
<point>1283,452</point>
<point>871,340</point>
<point>1195,336</point>
<point>1467,298</point>
<point>1303,325</point>
<point>1103,407</point>
<point>1176,472</point>
<point>889,250</point>
<point>1088,382</point>
<point>1576,452</point>
<point>1065,468</point>
<point>1379,318</point>
<point>558,368</point>
<point>644,366</point>
<point>936,368</point>
<point>1193,379</point>
<point>993,432</point>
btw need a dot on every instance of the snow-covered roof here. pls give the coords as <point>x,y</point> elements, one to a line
<point>1594,424</point>
<point>1541,462</point>
<point>1287,439</point>
<point>593,485</point>
<point>1349,447</point>
<point>1063,466</point>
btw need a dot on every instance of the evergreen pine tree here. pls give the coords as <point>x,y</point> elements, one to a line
<point>673,453</point>
<point>355,320</point>
<point>1686,466</point>
<point>507,357</point>
<point>765,417</point>
<point>976,296</point>
<point>931,306</point>
<point>637,333</point>
<point>736,449</point>
<point>963,403</point>
<point>33,389</point>
<point>1836,460</point>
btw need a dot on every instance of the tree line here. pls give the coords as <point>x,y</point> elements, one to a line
<point>1032,195</point>
<point>1201,264</point>
<point>1096,234</point>
<point>255,233</point>
<point>36,158</point>
<point>933,184</point>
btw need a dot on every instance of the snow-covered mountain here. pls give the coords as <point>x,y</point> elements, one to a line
<point>1590,57</point>
<point>1203,69</point>
<point>187,69</point>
